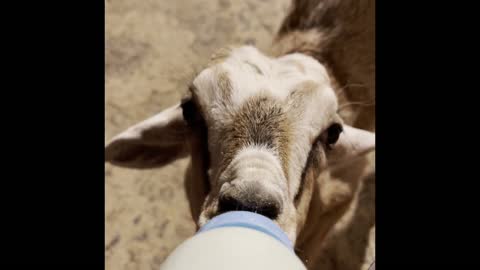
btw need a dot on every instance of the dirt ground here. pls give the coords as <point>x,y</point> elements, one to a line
<point>153,49</point>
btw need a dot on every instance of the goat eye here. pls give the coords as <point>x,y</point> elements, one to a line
<point>333,133</point>
<point>330,136</point>
<point>189,111</point>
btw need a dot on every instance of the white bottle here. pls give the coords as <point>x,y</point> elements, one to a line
<point>236,240</point>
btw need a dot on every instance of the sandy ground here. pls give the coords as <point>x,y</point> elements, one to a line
<point>153,49</point>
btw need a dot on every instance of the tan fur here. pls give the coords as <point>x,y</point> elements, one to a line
<point>269,123</point>
<point>225,86</point>
<point>196,179</point>
<point>340,34</point>
<point>332,194</point>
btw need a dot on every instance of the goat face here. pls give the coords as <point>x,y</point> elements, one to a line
<point>260,131</point>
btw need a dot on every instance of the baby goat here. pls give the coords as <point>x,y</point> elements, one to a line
<point>264,132</point>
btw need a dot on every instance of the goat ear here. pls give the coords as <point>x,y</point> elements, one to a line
<point>352,143</point>
<point>151,143</point>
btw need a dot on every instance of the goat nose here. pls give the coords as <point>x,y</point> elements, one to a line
<point>258,202</point>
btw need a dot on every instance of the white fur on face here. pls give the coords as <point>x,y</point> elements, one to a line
<point>282,80</point>
<point>277,77</point>
<point>257,163</point>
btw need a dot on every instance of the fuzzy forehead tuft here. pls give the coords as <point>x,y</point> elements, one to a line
<point>241,73</point>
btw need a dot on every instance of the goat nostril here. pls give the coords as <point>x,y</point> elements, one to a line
<point>268,208</point>
<point>270,211</point>
<point>227,203</point>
